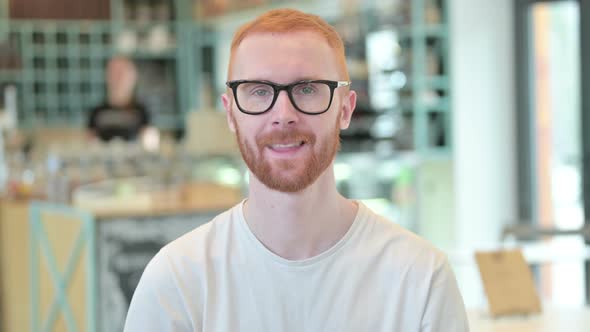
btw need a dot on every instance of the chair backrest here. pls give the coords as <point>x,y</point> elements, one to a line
<point>63,239</point>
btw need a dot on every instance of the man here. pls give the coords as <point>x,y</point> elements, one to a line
<point>295,255</point>
<point>121,116</point>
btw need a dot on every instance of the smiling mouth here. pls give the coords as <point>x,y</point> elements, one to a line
<point>286,146</point>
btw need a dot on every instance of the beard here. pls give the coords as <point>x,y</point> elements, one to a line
<point>289,175</point>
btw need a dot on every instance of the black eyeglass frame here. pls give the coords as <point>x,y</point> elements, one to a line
<point>277,88</point>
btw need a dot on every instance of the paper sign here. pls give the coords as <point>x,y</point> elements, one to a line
<point>508,283</point>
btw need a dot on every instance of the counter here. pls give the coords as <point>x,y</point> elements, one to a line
<point>124,240</point>
<point>14,266</point>
<point>550,320</point>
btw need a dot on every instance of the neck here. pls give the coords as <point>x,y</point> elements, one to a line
<point>299,225</point>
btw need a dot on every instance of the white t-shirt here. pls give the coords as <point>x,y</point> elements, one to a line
<point>220,277</point>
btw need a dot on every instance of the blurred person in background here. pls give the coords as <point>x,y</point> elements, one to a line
<point>121,116</point>
<point>295,255</point>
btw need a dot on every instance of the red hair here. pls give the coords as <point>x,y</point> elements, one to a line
<point>291,20</point>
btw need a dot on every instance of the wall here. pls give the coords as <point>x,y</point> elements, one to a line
<point>482,72</point>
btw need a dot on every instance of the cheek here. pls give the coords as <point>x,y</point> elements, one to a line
<point>231,121</point>
<point>245,131</point>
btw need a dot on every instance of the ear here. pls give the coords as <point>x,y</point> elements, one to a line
<point>227,104</point>
<point>348,106</point>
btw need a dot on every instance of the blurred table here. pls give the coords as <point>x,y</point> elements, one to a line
<point>551,320</point>
<point>533,252</point>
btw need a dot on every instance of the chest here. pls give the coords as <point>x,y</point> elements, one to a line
<point>336,297</point>
<point>116,118</point>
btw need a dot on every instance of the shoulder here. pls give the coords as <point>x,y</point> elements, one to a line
<point>205,242</point>
<point>399,246</point>
<point>181,266</point>
<point>141,107</point>
<point>159,300</point>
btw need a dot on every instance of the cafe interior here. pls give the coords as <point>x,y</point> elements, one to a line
<point>471,129</point>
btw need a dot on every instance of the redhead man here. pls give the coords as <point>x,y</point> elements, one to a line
<point>295,255</point>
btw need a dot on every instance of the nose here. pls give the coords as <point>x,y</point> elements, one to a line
<point>283,112</point>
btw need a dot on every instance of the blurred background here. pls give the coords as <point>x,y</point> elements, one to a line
<point>472,129</point>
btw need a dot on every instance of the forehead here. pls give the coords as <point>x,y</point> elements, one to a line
<point>284,57</point>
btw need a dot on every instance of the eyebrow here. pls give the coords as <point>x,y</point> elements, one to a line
<point>299,79</point>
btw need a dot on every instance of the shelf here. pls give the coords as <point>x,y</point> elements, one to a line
<point>326,9</point>
<point>167,121</point>
<point>42,27</point>
<point>435,154</point>
<point>438,82</point>
<point>408,105</point>
<point>69,56</point>
<point>207,39</point>
<point>423,31</point>
<point>164,55</point>
<point>136,25</point>
<point>80,51</point>
<point>10,74</point>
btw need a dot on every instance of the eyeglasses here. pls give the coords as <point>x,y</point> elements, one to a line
<point>309,97</point>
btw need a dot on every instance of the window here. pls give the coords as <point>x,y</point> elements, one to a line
<point>552,121</point>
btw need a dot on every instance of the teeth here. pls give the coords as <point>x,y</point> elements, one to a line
<point>286,146</point>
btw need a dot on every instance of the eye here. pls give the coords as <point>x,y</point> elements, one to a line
<point>261,91</point>
<point>305,89</point>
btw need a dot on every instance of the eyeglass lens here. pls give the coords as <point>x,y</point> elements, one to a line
<point>311,97</point>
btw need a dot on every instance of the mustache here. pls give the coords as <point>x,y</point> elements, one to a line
<point>285,136</point>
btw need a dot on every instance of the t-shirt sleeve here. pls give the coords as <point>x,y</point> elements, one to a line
<point>157,305</point>
<point>445,310</point>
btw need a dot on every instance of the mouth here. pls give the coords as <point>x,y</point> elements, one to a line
<point>286,147</point>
